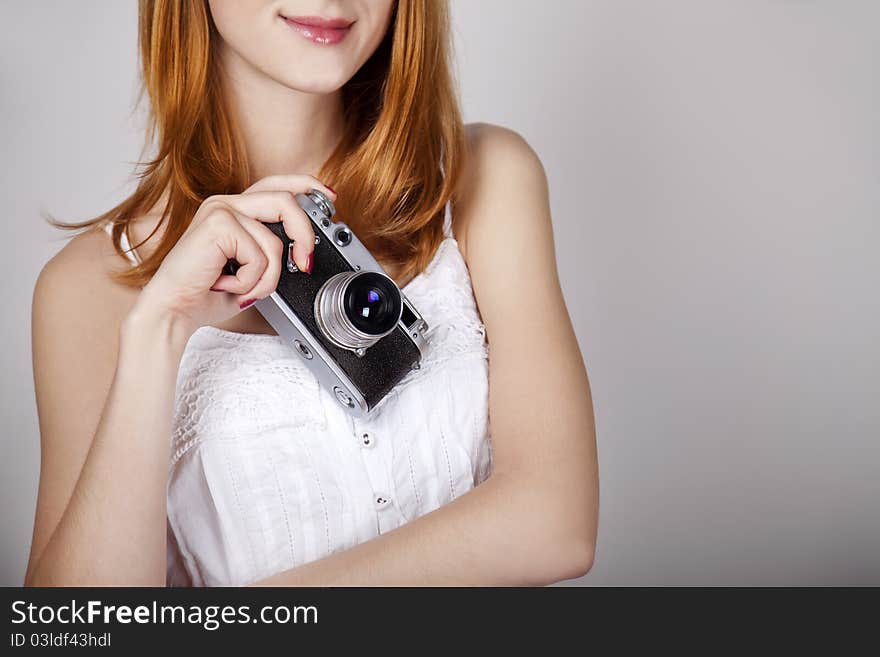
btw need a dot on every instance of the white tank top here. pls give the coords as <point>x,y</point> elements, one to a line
<point>269,472</point>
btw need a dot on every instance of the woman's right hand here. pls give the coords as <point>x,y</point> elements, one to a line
<point>190,286</point>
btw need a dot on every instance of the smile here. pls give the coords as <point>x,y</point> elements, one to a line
<point>324,31</point>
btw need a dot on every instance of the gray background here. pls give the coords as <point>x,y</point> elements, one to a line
<point>714,180</point>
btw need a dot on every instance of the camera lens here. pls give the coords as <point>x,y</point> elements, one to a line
<point>354,310</point>
<point>372,303</point>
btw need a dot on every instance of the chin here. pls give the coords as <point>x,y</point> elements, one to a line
<point>314,79</point>
<point>319,87</point>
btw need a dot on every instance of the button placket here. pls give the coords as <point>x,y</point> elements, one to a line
<point>379,478</point>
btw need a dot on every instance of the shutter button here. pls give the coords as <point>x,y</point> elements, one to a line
<point>367,439</point>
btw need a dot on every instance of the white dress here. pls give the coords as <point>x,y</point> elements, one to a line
<point>269,472</point>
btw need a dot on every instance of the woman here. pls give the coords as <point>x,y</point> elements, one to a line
<point>270,480</point>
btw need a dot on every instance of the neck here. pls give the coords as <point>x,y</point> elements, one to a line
<point>284,130</point>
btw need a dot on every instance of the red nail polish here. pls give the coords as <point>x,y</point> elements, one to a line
<point>330,188</point>
<point>309,263</point>
<point>246,303</point>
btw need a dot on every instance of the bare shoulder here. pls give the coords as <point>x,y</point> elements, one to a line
<point>510,253</point>
<point>501,169</point>
<point>487,140</point>
<point>75,290</point>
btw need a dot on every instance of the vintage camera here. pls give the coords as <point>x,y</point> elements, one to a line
<point>348,320</point>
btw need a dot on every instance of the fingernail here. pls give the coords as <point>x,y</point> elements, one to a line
<point>309,263</point>
<point>330,188</point>
<point>216,289</point>
<point>246,303</point>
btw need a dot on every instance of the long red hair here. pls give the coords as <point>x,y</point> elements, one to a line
<point>402,120</point>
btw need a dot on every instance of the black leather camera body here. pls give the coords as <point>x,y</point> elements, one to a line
<point>348,320</point>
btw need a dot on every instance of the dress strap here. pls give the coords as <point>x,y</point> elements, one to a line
<point>447,212</point>
<point>124,243</point>
<point>447,219</point>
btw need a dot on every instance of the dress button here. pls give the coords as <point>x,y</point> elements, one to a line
<point>368,439</point>
<point>381,501</point>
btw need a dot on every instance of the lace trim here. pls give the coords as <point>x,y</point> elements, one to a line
<point>226,392</point>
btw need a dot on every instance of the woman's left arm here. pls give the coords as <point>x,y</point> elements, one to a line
<point>534,520</point>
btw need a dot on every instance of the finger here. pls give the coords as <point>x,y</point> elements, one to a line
<point>207,209</point>
<point>275,206</point>
<point>295,183</point>
<point>274,250</point>
<point>236,243</point>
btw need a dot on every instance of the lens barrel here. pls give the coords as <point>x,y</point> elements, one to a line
<point>354,310</point>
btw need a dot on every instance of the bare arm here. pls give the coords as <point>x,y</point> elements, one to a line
<point>534,521</point>
<point>104,384</point>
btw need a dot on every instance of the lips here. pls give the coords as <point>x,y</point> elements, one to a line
<point>317,29</point>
